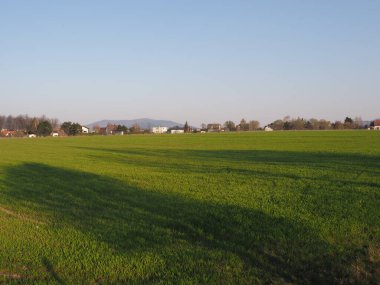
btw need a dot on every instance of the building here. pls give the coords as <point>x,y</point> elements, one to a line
<point>85,130</point>
<point>102,131</point>
<point>159,130</point>
<point>177,131</point>
<point>55,134</point>
<point>268,129</point>
<point>110,129</point>
<point>376,124</point>
<point>214,127</point>
<point>8,133</point>
<point>31,136</point>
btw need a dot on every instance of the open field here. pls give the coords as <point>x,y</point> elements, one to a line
<point>239,208</point>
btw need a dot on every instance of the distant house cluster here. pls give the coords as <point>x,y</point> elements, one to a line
<point>32,127</point>
<point>7,133</point>
<point>375,125</point>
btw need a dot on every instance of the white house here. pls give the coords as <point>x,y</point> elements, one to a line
<point>159,130</point>
<point>31,136</point>
<point>214,127</point>
<point>376,125</point>
<point>55,134</point>
<point>268,129</point>
<point>85,130</point>
<point>177,131</point>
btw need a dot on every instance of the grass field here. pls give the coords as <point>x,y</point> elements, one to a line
<point>238,208</point>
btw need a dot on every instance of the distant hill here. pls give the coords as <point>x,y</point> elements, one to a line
<point>144,123</point>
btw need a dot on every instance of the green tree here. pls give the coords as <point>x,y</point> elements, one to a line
<point>287,125</point>
<point>186,128</point>
<point>44,128</point>
<point>71,129</point>
<point>66,127</point>
<point>122,128</point>
<point>348,120</point>
<point>348,123</point>
<point>230,125</point>
<point>75,129</point>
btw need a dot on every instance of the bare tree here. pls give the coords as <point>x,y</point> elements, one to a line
<point>253,125</point>
<point>2,122</point>
<point>244,126</point>
<point>314,123</point>
<point>9,124</point>
<point>277,125</point>
<point>96,129</point>
<point>135,128</point>
<point>358,122</point>
<point>324,125</point>
<point>54,123</point>
<point>338,125</point>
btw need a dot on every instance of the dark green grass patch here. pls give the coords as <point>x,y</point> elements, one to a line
<point>291,207</point>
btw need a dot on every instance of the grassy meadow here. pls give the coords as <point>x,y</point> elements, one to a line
<point>235,208</point>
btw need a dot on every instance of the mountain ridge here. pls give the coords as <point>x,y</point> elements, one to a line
<point>144,123</point>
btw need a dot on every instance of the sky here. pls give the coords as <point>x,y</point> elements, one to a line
<point>197,61</point>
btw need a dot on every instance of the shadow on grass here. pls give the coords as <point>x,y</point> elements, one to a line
<point>134,221</point>
<point>50,269</point>
<point>347,161</point>
<point>339,184</point>
<point>351,163</point>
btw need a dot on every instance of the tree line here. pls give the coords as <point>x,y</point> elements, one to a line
<point>242,126</point>
<point>44,126</point>
<point>23,124</point>
<point>316,124</point>
<point>289,123</point>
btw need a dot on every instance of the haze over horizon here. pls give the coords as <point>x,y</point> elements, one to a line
<point>195,61</point>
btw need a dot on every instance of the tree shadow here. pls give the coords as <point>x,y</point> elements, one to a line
<point>132,221</point>
<point>50,269</point>
<point>349,162</point>
<point>334,184</point>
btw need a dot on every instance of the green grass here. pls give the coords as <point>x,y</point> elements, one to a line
<point>238,208</point>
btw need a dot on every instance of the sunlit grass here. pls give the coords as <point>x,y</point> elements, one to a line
<point>243,208</point>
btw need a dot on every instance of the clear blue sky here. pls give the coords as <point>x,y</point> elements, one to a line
<point>200,61</point>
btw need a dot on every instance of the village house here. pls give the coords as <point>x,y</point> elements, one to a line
<point>110,129</point>
<point>214,127</point>
<point>7,133</point>
<point>177,131</point>
<point>118,133</point>
<point>268,129</point>
<point>159,130</point>
<point>102,131</point>
<point>85,130</point>
<point>376,124</point>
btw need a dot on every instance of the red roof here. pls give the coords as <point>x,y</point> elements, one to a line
<point>376,123</point>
